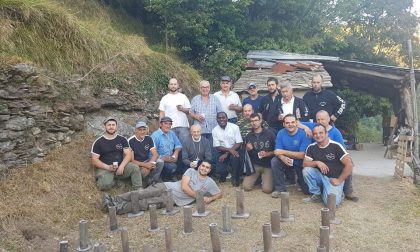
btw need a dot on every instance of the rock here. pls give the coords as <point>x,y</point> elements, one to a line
<point>67,140</point>
<point>18,123</point>
<point>9,156</point>
<point>24,70</point>
<point>37,160</point>
<point>36,131</point>
<point>60,136</point>
<point>57,128</point>
<point>4,117</point>
<point>7,146</point>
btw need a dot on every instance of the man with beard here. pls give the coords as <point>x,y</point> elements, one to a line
<point>176,106</point>
<point>227,141</point>
<point>269,107</point>
<point>320,99</point>
<point>183,191</point>
<point>111,156</point>
<point>260,146</point>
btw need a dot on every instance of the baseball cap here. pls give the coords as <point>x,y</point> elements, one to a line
<point>252,85</point>
<point>110,118</point>
<point>225,78</point>
<point>166,119</point>
<point>141,124</point>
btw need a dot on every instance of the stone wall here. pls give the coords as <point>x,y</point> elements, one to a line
<point>38,114</point>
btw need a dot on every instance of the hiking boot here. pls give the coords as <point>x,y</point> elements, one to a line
<point>276,194</point>
<point>315,198</point>
<point>106,202</point>
<point>351,197</point>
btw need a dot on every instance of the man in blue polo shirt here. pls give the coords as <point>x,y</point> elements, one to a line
<point>168,147</point>
<point>291,143</point>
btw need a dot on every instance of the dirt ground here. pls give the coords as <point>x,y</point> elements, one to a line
<point>387,217</point>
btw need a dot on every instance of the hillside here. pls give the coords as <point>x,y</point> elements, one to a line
<point>83,40</point>
<point>80,49</point>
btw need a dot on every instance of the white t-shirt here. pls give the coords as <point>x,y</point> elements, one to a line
<point>207,185</point>
<point>168,105</point>
<point>287,107</point>
<point>226,137</point>
<point>231,98</point>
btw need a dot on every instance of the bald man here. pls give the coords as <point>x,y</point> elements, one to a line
<point>244,122</point>
<point>320,99</point>
<point>195,148</point>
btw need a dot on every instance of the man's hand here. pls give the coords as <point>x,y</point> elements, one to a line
<point>308,132</point>
<point>249,146</point>
<point>170,159</point>
<point>223,157</point>
<point>148,165</point>
<point>281,117</point>
<point>322,167</point>
<point>335,181</point>
<point>333,118</point>
<point>288,161</point>
<point>232,106</point>
<point>120,170</point>
<point>145,172</point>
<point>262,154</point>
<point>234,152</point>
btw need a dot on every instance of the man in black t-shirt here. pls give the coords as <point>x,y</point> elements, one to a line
<point>111,156</point>
<point>145,154</point>
<point>327,165</point>
<point>260,146</point>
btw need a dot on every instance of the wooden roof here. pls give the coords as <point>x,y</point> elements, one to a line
<point>295,69</point>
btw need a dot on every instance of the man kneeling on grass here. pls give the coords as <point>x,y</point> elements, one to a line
<point>183,191</point>
<point>327,165</point>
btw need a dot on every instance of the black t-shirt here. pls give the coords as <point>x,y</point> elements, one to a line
<point>331,155</point>
<point>264,141</point>
<point>141,149</point>
<point>110,150</point>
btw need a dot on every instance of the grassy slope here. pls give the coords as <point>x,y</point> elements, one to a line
<point>78,37</point>
<point>44,202</point>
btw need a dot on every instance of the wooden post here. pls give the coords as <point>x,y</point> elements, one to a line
<point>84,244</point>
<point>64,246</point>
<point>415,116</point>
<point>168,239</point>
<point>324,237</point>
<point>240,208</point>
<point>331,205</point>
<point>153,218</point>
<point>268,243</point>
<point>275,224</point>
<point>227,225</point>
<point>135,205</point>
<point>124,240</point>
<point>169,210</point>
<point>113,221</point>
<point>98,247</point>
<point>285,215</point>
<point>201,205</point>
<point>188,219</point>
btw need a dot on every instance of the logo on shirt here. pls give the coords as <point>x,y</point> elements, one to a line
<point>330,156</point>
<point>119,146</point>
<point>295,142</point>
<point>147,147</point>
<point>322,104</point>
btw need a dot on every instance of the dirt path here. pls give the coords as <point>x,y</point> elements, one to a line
<point>387,217</point>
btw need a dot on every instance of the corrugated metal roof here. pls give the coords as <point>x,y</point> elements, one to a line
<point>279,55</point>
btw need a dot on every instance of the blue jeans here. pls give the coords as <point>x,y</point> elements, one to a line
<point>316,180</point>
<point>280,170</point>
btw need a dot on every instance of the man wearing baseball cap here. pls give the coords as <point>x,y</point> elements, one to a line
<point>168,147</point>
<point>111,156</point>
<point>254,99</point>
<point>145,154</point>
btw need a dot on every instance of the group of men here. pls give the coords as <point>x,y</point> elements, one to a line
<point>279,137</point>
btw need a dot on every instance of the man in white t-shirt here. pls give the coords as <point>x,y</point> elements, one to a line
<point>227,141</point>
<point>230,101</point>
<point>176,106</point>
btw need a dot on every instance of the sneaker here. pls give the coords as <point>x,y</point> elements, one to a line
<point>229,176</point>
<point>106,202</point>
<point>276,194</point>
<point>351,197</point>
<point>288,184</point>
<point>315,198</point>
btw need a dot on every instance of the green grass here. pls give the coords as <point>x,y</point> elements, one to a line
<point>80,36</point>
